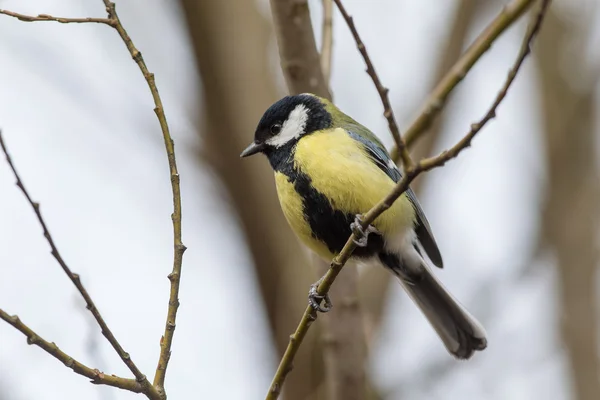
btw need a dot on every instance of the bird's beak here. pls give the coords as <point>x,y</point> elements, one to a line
<point>253,149</point>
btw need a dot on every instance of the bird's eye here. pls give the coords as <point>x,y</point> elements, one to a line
<point>275,129</point>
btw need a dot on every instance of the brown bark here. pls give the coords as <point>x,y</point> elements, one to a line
<point>231,43</point>
<point>300,60</point>
<point>570,216</point>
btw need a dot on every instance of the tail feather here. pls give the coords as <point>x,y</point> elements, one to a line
<point>460,332</point>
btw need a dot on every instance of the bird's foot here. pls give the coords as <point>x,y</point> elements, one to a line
<point>363,234</point>
<point>314,298</point>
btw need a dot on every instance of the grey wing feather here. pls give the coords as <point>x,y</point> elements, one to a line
<point>423,231</point>
<point>383,160</point>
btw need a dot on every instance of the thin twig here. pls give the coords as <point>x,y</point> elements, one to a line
<point>62,20</point>
<point>388,113</point>
<point>179,248</point>
<point>51,348</point>
<point>140,377</point>
<point>327,39</point>
<point>436,100</point>
<point>310,315</point>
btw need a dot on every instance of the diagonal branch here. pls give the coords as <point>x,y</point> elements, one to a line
<point>51,348</point>
<point>140,377</point>
<point>338,262</point>
<point>388,113</point>
<point>436,100</point>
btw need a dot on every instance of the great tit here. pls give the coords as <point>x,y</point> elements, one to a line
<point>329,169</point>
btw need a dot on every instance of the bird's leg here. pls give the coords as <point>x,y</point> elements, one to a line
<point>314,298</point>
<point>363,234</point>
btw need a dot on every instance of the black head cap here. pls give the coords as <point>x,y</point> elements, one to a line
<point>286,121</point>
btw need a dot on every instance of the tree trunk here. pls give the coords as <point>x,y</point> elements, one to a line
<point>231,43</point>
<point>571,216</point>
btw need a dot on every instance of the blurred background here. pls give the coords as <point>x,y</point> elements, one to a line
<point>516,216</point>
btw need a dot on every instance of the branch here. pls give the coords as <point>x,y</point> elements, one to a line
<point>46,17</point>
<point>388,113</point>
<point>338,262</point>
<point>327,39</point>
<point>179,248</point>
<point>141,378</point>
<point>96,376</point>
<point>436,100</point>
<point>297,50</point>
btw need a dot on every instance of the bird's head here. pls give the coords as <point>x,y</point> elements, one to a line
<point>286,121</point>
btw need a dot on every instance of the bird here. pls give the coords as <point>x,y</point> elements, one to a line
<point>329,171</point>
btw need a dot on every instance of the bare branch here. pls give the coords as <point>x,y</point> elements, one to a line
<point>436,100</point>
<point>141,378</point>
<point>338,262</point>
<point>327,39</point>
<point>388,113</point>
<point>51,348</point>
<point>62,20</point>
<point>179,248</point>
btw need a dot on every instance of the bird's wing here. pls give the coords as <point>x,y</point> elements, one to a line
<point>382,159</point>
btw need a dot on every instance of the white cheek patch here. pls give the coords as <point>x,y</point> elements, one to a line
<point>292,128</point>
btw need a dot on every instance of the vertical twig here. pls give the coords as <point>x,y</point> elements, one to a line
<point>179,248</point>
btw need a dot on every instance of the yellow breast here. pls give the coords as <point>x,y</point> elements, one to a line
<point>341,170</point>
<point>293,209</point>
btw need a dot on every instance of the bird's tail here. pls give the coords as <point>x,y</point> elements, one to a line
<point>460,332</point>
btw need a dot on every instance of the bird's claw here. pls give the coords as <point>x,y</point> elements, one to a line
<point>314,299</point>
<point>363,234</point>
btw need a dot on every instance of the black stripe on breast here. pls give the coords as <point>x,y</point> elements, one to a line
<point>328,225</point>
